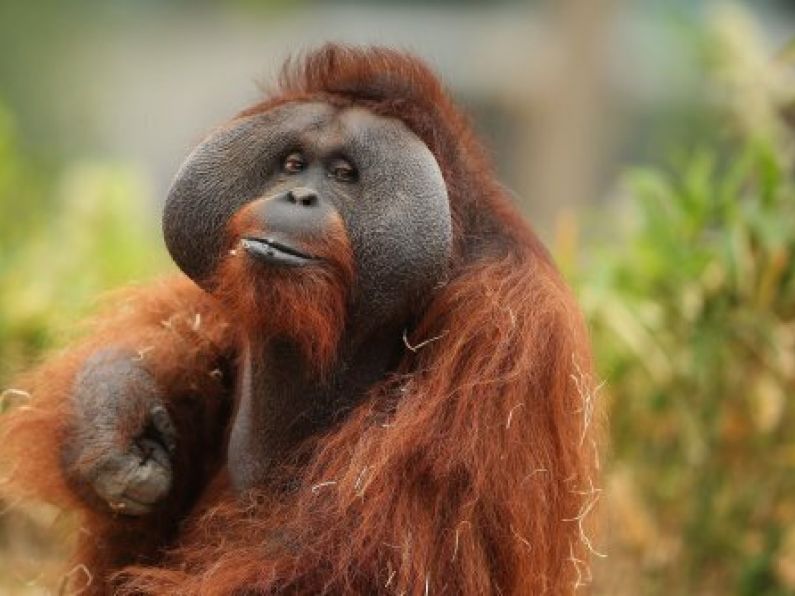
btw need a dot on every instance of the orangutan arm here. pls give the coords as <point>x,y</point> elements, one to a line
<point>127,425</point>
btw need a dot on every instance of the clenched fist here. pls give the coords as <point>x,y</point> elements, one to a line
<point>122,439</point>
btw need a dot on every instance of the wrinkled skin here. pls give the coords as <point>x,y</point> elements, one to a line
<point>123,438</point>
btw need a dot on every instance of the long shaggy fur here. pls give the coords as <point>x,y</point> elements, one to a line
<point>178,333</point>
<point>470,470</point>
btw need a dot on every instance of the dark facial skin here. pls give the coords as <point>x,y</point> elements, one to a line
<point>302,166</point>
<point>395,211</point>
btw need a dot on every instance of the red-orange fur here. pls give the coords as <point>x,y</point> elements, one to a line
<point>180,335</point>
<point>311,306</point>
<point>465,472</point>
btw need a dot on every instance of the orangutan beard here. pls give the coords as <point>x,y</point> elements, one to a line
<point>306,305</point>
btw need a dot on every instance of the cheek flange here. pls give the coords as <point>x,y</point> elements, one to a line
<point>224,173</point>
<point>194,228</point>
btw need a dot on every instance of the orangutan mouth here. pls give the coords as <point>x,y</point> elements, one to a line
<point>275,252</point>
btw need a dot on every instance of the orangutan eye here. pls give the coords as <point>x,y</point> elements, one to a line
<point>343,171</point>
<point>294,163</point>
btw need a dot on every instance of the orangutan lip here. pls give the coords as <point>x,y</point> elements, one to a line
<point>274,252</point>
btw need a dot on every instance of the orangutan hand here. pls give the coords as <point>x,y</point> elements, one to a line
<point>122,439</point>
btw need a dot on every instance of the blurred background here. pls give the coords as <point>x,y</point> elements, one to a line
<point>651,144</point>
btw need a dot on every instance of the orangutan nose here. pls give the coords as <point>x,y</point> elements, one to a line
<point>303,196</point>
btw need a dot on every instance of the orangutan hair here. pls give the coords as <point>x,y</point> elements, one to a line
<point>467,467</point>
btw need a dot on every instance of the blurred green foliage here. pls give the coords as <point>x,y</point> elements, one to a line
<point>693,318</point>
<point>694,322</point>
<point>65,237</point>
